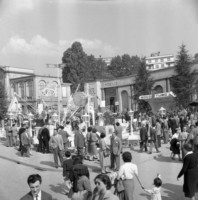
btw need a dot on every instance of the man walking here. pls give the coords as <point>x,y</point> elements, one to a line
<point>56,142</point>
<point>143,137</point>
<point>34,181</point>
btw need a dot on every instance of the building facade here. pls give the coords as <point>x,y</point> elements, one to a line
<point>31,89</point>
<point>117,94</point>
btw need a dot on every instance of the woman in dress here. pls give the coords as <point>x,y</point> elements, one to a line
<point>127,172</point>
<point>102,190</point>
<point>190,172</point>
<point>175,146</point>
<point>102,152</point>
<point>93,146</point>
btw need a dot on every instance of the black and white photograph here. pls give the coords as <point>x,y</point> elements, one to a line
<point>99,99</point>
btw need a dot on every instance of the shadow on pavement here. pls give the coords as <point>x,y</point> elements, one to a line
<point>172,191</point>
<point>95,169</point>
<point>48,163</point>
<point>162,158</point>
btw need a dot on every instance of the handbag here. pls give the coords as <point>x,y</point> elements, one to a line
<point>106,153</point>
<point>119,186</point>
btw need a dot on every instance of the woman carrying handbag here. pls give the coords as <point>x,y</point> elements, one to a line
<point>126,177</point>
<point>103,152</point>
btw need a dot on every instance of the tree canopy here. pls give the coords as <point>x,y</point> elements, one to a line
<point>143,85</point>
<point>80,67</point>
<point>182,83</point>
<point>124,65</point>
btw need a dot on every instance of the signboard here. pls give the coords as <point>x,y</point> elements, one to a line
<point>117,103</point>
<point>145,96</point>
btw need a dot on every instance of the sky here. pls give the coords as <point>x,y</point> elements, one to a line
<point>34,33</point>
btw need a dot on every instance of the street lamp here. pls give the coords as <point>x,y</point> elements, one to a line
<point>86,120</point>
<point>20,116</point>
<point>30,117</point>
<point>131,115</point>
<point>162,111</point>
<point>55,118</point>
<point>10,114</point>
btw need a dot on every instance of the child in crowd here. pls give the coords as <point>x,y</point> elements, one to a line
<point>155,191</point>
<point>67,168</point>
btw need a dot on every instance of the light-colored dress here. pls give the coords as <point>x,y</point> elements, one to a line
<point>155,193</point>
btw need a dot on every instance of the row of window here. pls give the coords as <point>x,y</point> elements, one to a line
<point>159,60</point>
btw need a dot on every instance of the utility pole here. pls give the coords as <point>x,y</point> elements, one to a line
<point>58,67</point>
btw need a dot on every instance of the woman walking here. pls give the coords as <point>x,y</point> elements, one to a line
<point>102,152</point>
<point>126,173</point>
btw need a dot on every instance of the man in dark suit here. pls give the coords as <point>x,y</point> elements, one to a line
<point>21,130</point>
<point>45,137</point>
<point>79,141</point>
<point>143,137</point>
<point>34,182</point>
<point>116,147</point>
<point>153,139</point>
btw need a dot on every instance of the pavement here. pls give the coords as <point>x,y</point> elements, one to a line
<point>148,167</point>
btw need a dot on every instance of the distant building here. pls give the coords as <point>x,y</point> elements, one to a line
<point>31,89</point>
<point>156,61</point>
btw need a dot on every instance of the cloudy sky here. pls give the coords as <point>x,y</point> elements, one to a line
<point>36,32</point>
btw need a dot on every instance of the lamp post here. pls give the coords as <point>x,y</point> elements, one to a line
<point>30,117</point>
<point>55,118</point>
<point>20,116</point>
<point>162,111</point>
<point>86,120</point>
<point>131,116</point>
<point>10,114</point>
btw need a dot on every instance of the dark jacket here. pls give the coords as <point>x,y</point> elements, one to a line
<point>44,196</point>
<point>67,167</point>
<point>153,134</point>
<point>143,134</point>
<point>45,135</point>
<point>79,140</point>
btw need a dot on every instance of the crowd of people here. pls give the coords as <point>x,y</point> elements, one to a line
<point>180,129</point>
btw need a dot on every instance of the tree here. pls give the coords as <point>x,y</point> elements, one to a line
<point>76,68</point>
<point>80,67</point>
<point>3,101</point>
<point>124,65</point>
<point>143,86</point>
<point>184,79</point>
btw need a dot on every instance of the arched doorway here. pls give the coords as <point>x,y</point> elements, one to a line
<point>158,89</point>
<point>125,100</point>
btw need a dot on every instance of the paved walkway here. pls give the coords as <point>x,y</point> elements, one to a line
<point>148,166</point>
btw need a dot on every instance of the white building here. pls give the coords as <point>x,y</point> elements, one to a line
<point>156,62</point>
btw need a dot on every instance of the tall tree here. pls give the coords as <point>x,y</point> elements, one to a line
<point>184,79</point>
<point>143,85</point>
<point>3,101</point>
<point>124,65</point>
<point>76,67</point>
